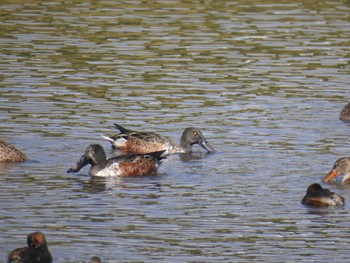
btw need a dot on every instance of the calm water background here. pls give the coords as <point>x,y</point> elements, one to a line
<point>265,81</point>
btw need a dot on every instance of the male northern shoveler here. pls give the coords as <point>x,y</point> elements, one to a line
<point>145,142</point>
<point>10,154</point>
<point>316,195</point>
<point>123,165</point>
<point>345,113</point>
<point>341,166</point>
<point>36,252</point>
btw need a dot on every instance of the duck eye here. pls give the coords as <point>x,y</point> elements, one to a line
<point>195,133</point>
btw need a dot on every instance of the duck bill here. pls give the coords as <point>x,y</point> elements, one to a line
<point>207,146</point>
<point>80,164</point>
<point>330,176</point>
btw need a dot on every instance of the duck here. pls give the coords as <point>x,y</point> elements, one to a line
<point>10,154</point>
<point>345,113</point>
<point>95,260</point>
<point>121,166</point>
<point>318,196</point>
<point>36,252</point>
<point>131,141</point>
<point>341,166</point>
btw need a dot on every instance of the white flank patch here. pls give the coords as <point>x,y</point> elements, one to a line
<point>112,170</point>
<point>119,142</point>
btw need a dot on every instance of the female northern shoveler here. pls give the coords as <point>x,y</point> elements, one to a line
<point>318,196</point>
<point>10,154</point>
<point>123,165</point>
<point>145,142</point>
<point>341,166</point>
<point>345,113</point>
<point>36,252</point>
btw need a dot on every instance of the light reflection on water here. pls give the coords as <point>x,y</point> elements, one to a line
<point>264,82</point>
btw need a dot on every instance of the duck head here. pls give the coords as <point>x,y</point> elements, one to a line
<point>36,239</point>
<point>94,155</point>
<point>341,166</point>
<point>193,136</point>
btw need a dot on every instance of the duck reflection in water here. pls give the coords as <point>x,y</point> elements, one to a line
<point>95,184</point>
<point>189,157</point>
<point>36,252</point>
<point>318,196</point>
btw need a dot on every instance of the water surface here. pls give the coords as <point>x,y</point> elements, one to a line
<point>264,81</point>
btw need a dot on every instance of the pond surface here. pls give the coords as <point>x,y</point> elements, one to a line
<point>265,82</point>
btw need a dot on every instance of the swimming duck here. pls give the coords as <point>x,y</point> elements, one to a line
<point>95,260</point>
<point>123,165</point>
<point>341,166</point>
<point>316,195</point>
<point>10,154</point>
<point>36,252</point>
<point>345,113</point>
<point>145,142</point>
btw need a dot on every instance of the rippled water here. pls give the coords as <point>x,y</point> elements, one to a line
<point>264,81</point>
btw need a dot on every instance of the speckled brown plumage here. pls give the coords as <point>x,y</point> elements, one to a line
<point>9,153</point>
<point>345,113</point>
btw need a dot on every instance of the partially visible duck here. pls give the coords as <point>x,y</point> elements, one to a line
<point>123,165</point>
<point>345,113</point>
<point>316,195</point>
<point>145,142</point>
<point>36,252</point>
<point>341,166</point>
<point>10,154</point>
<point>95,260</point>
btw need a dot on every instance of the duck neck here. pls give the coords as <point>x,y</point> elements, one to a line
<point>185,146</point>
<point>95,168</point>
